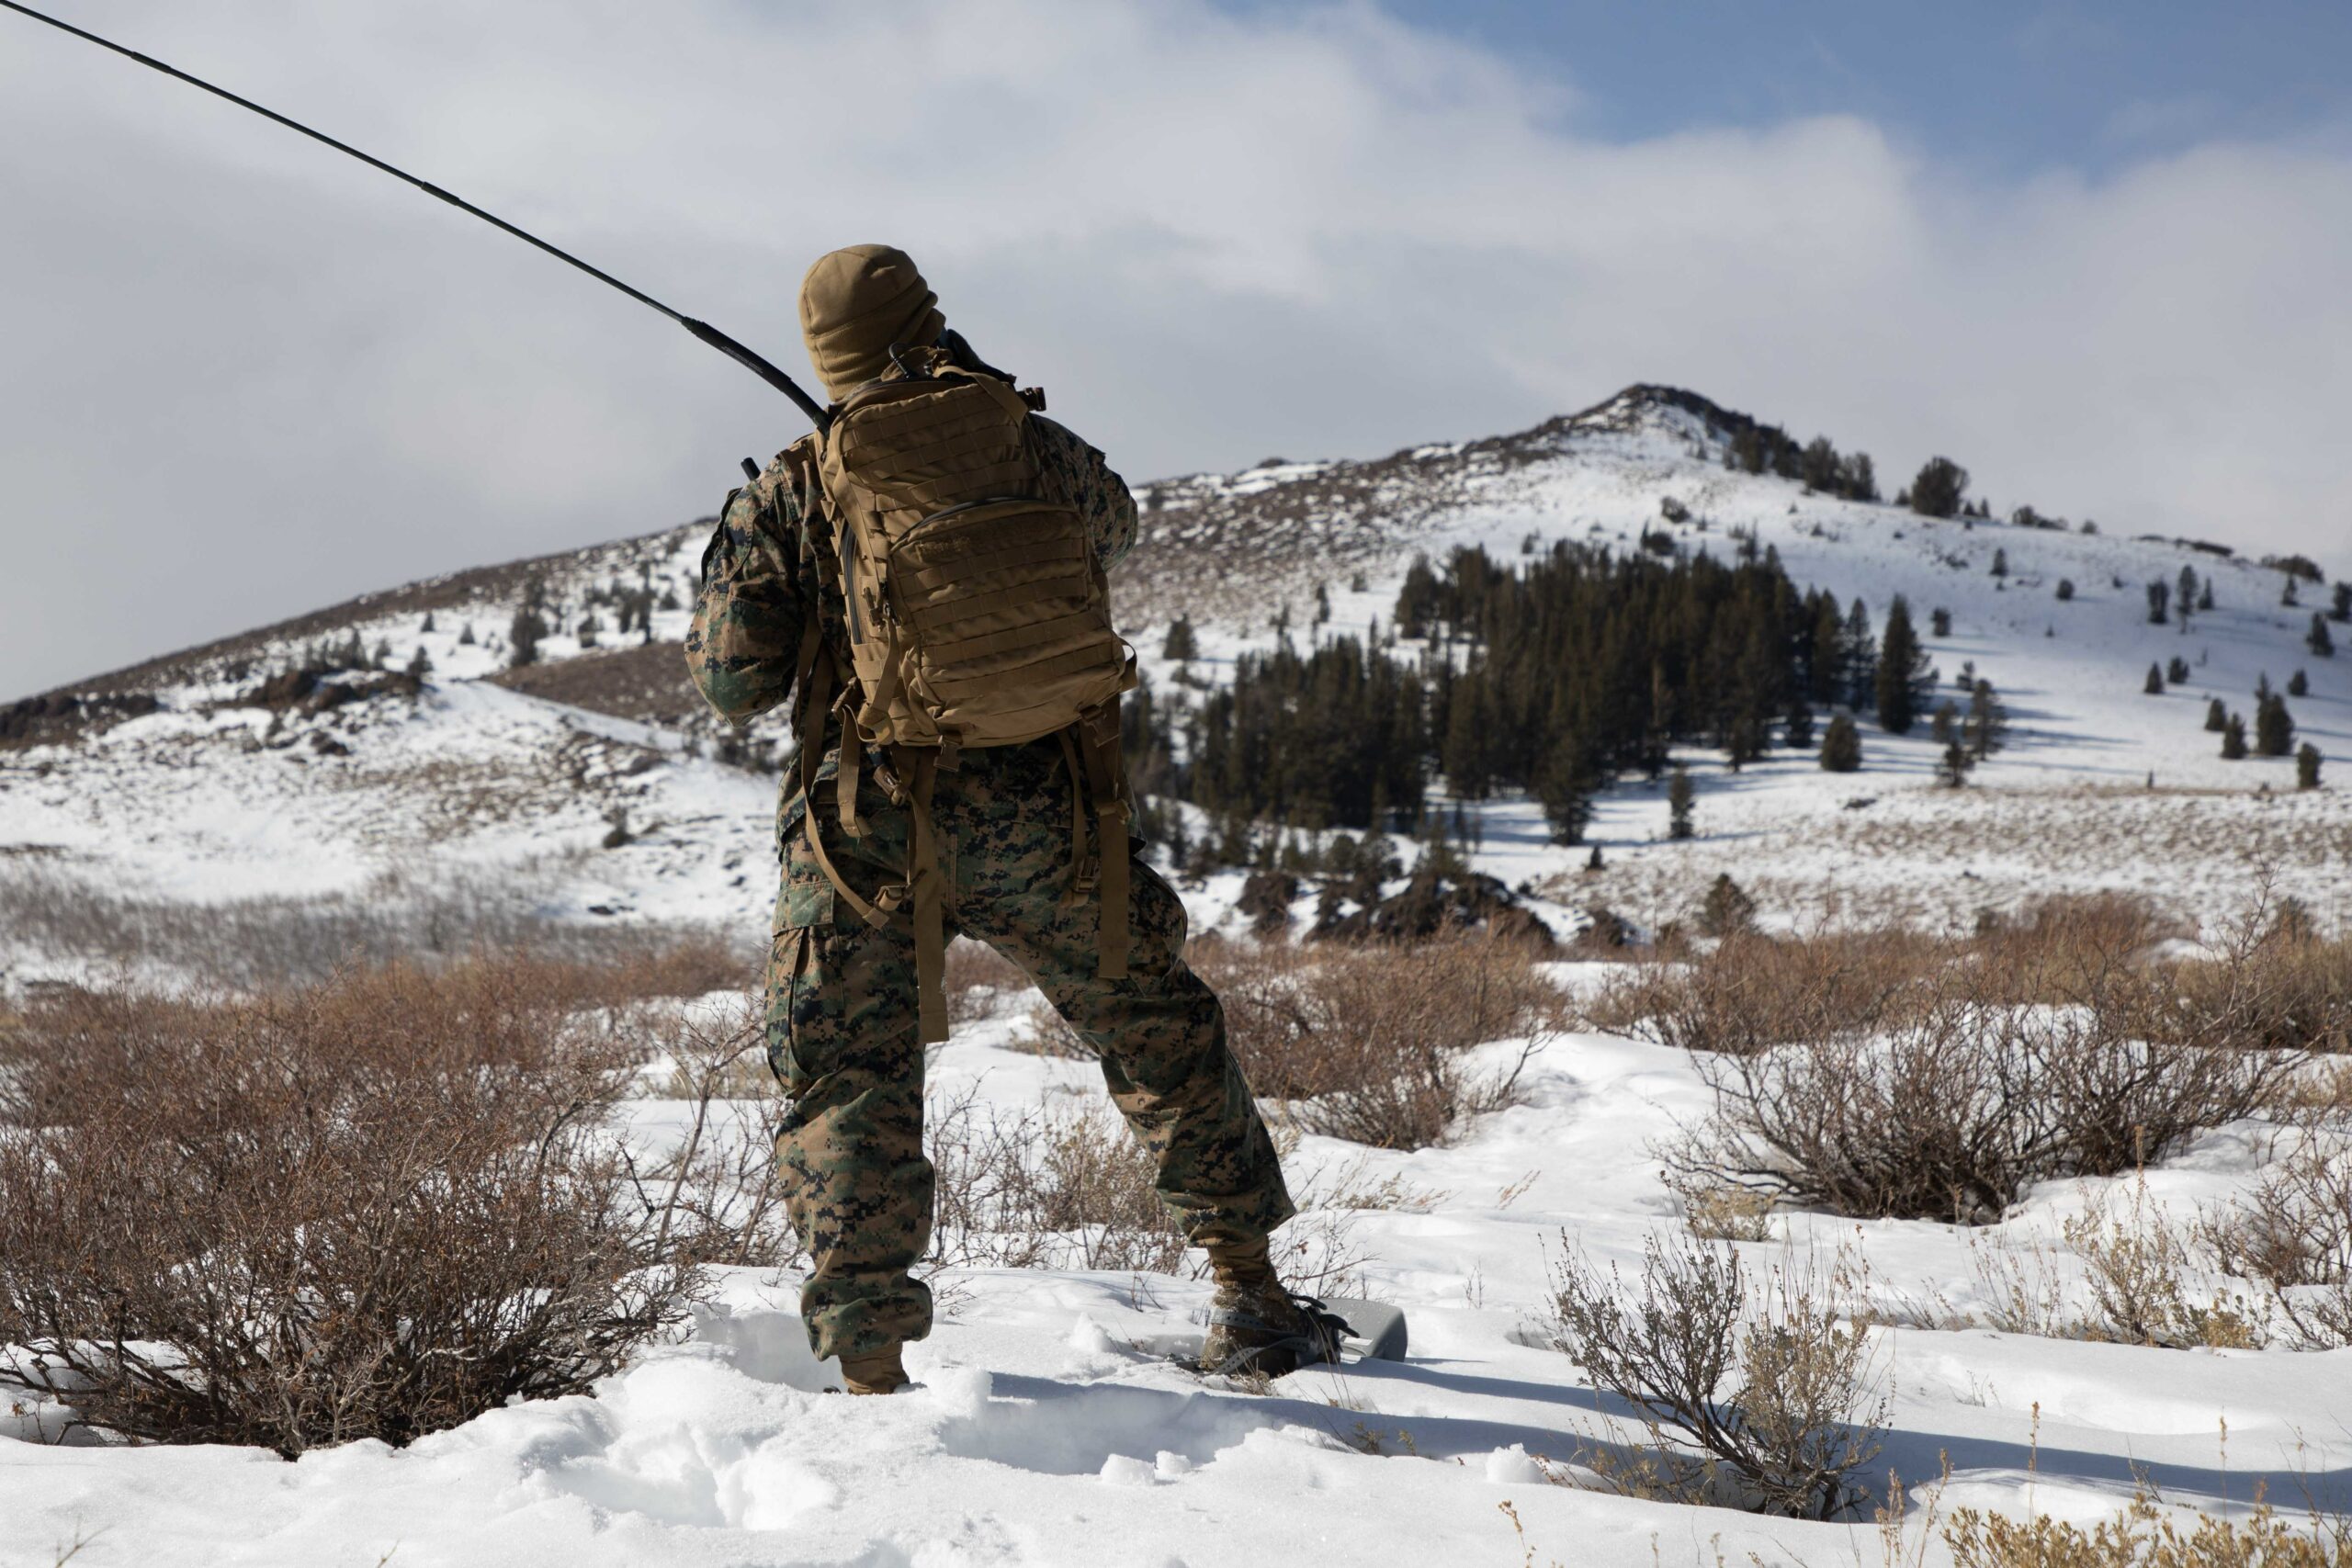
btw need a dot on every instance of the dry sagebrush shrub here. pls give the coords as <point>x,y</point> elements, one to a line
<point>1069,1187</point>
<point>1757,1393</point>
<point>1369,1043</point>
<point>978,979</point>
<point>1949,1114</point>
<point>2139,1271</point>
<point>1062,1188</point>
<point>2066,947</point>
<point>1753,991</point>
<point>2267,979</point>
<point>2294,1231</point>
<point>1042,1031</point>
<point>375,1207</point>
<point>720,1193</point>
<point>2148,1534</point>
<point>2281,990</point>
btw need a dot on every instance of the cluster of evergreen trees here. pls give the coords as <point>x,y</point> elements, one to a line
<point>1767,449</point>
<point>1337,737</point>
<point>1583,664</point>
<point>2274,727</point>
<point>1549,676</point>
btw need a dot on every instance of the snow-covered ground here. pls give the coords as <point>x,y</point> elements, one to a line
<point>1047,1430</point>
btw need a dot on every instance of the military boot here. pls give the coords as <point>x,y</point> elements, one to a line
<point>1255,1325</point>
<point>883,1372</point>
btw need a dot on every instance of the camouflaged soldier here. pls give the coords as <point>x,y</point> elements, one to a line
<point>844,1029</point>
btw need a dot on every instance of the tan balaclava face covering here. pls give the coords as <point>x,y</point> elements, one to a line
<point>856,303</point>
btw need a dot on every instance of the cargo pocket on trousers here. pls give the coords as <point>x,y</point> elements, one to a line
<point>805,901</point>
<point>789,959</point>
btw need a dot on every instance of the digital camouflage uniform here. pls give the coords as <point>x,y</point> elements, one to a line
<point>842,1024</point>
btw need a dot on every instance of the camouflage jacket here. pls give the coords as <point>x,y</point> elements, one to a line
<point>760,581</point>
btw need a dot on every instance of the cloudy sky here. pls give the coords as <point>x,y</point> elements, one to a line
<point>2097,254</point>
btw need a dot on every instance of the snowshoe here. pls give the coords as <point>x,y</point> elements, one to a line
<point>1269,1332</point>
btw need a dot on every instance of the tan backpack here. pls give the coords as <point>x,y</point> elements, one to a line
<point>978,615</point>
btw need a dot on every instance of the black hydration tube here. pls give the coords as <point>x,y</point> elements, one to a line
<point>702,330</point>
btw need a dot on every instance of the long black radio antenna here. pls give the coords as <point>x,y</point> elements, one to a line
<point>702,330</point>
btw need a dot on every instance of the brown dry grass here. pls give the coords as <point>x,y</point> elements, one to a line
<point>1752,992</point>
<point>372,1207</point>
<point>1370,1044</point>
<point>2149,1534</point>
<point>978,980</point>
<point>257,942</point>
<point>1059,1187</point>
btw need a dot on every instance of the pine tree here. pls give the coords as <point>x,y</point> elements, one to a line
<point>2319,642</point>
<point>1904,678</point>
<point>1937,491</point>
<point>1842,746</point>
<point>1564,786</point>
<point>1461,755</point>
<point>2000,562</point>
<point>2159,602</point>
<point>2185,593</point>
<point>1945,729</point>
<point>1680,794</point>
<point>420,663</point>
<point>428,622</point>
<point>2155,684</point>
<point>2216,716</point>
<point>2205,595</point>
<point>1744,740</point>
<point>2233,738</point>
<point>2342,609</point>
<point>466,635</point>
<point>1988,729</point>
<point>1826,655</point>
<point>1798,734</point>
<point>1951,767</point>
<point>1939,621</point>
<point>2065,590</point>
<point>2177,671</point>
<point>2307,767</point>
<point>1861,655</point>
<point>2288,598</point>
<point>2274,728</point>
<point>523,636</point>
<point>1180,644</point>
<point>1728,909</point>
<point>1861,479</point>
<point>2299,684</point>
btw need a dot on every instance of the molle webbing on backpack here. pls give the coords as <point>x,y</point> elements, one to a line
<point>976,614</point>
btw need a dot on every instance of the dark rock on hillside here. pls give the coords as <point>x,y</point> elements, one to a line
<point>1266,898</point>
<point>1431,905</point>
<point>59,716</point>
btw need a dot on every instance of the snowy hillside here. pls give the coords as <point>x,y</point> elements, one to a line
<point>587,791</point>
<point>2069,806</point>
<point>214,793</point>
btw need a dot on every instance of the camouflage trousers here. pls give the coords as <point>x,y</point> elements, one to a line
<point>842,1035</point>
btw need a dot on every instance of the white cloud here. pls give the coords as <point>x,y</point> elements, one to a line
<point>244,377</point>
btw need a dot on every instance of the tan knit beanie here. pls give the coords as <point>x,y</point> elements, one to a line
<point>856,303</point>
